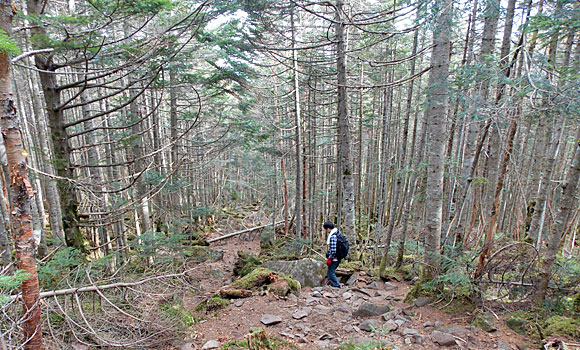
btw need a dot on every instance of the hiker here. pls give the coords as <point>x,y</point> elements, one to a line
<point>337,250</point>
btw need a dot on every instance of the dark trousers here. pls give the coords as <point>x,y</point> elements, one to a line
<point>332,274</point>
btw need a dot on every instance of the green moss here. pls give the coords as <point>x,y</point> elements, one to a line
<point>526,322</point>
<point>408,272</point>
<point>485,321</point>
<point>245,264</point>
<point>383,265</point>
<point>391,273</point>
<point>352,265</point>
<point>562,326</point>
<point>212,304</point>
<point>576,305</point>
<point>414,293</point>
<point>460,305</point>
<point>235,344</point>
<point>261,276</point>
<point>517,324</point>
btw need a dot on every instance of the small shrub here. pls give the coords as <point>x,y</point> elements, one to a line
<point>62,262</point>
<point>367,345</point>
<point>177,313</point>
<point>259,339</point>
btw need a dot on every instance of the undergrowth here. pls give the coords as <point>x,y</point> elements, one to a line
<point>259,339</point>
<point>367,345</point>
<point>176,313</point>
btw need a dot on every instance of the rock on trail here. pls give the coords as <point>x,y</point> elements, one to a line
<point>269,319</point>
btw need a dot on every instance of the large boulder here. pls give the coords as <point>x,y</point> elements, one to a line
<point>309,272</point>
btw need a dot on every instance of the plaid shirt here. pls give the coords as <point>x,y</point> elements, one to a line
<point>332,246</point>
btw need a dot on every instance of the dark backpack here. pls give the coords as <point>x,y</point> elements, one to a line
<point>342,246</point>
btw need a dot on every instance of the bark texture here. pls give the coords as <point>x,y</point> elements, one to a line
<point>560,228</point>
<point>344,129</point>
<point>21,193</point>
<point>435,114</point>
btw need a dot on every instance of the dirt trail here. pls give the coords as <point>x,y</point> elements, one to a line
<point>330,321</point>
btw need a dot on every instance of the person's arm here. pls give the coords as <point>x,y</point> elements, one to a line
<point>332,247</point>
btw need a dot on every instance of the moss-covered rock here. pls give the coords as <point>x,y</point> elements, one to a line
<point>562,326</point>
<point>212,304</point>
<point>264,277</point>
<point>308,272</point>
<point>485,321</point>
<point>245,264</point>
<point>517,324</point>
<point>409,272</point>
<point>405,272</point>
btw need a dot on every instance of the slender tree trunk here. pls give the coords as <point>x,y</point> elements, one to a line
<point>435,114</point>
<point>549,144</point>
<point>492,224</point>
<point>298,121</point>
<point>60,141</point>
<point>283,168</point>
<point>344,128</point>
<point>175,203</point>
<point>412,160</point>
<point>21,194</point>
<point>383,178</point>
<point>51,185</point>
<point>561,225</point>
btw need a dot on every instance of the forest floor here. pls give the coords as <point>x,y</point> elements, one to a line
<point>330,322</point>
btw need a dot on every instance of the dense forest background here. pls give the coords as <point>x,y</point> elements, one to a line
<point>442,137</point>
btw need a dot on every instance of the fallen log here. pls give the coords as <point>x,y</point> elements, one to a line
<point>243,231</point>
<point>94,288</point>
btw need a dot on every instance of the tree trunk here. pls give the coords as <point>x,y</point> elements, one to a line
<point>298,121</point>
<point>412,159</point>
<point>561,226</point>
<point>435,114</point>
<point>383,178</point>
<point>60,141</point>
<point>494,209</point>
<point>175,205</point>
<point>21,194</point>
<point>344,129</point>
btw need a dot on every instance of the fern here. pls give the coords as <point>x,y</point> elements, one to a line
<point>8,283</point>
